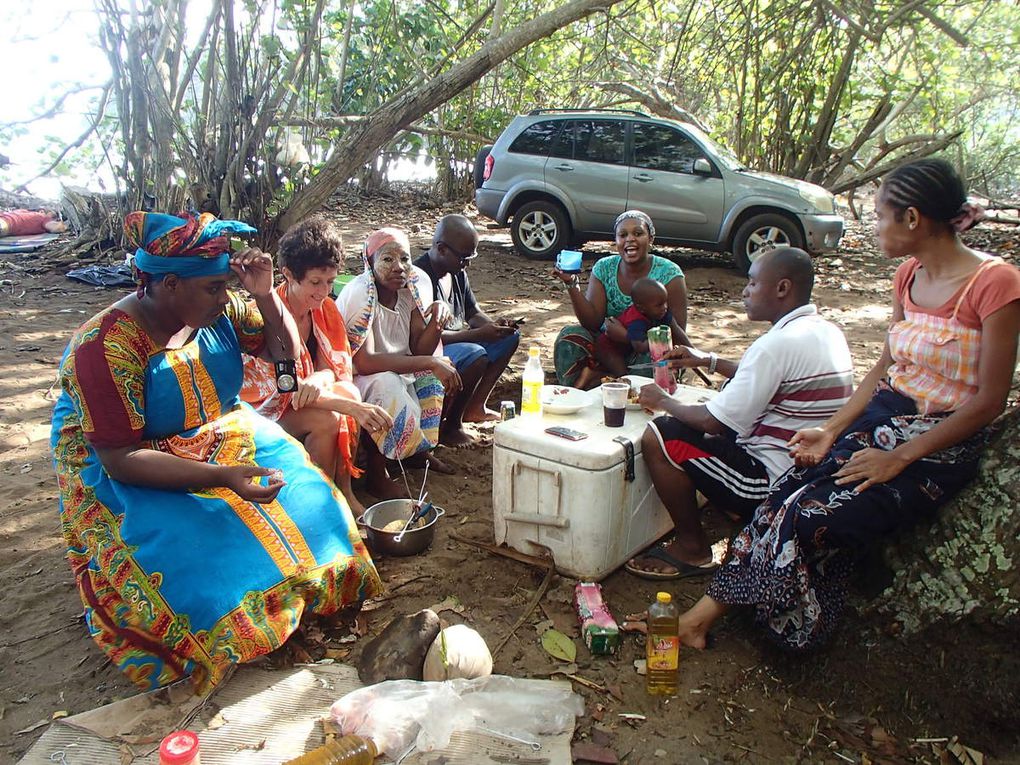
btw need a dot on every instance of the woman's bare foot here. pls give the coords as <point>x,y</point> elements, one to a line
<point>695,623</point>
<point>384,487</point>
<point>588,378</point>
<point>481,415</point>
<point>357,509</point>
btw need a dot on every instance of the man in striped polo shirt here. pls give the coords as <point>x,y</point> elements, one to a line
<point>734,448</point>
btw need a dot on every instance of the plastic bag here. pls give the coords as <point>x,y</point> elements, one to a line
<point>398,713</point>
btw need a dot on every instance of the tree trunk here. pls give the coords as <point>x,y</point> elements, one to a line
<point>967,563</point>
<point>364,140</point>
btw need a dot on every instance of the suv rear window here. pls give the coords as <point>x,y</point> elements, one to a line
<point>657,147</point>
<point>537,139</point>
<point>592,141</point>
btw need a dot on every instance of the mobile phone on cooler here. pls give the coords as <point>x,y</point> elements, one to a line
<point>568,433</point>
<point>569,262</point>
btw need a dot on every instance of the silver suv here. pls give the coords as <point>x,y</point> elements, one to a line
<point>560,177</point>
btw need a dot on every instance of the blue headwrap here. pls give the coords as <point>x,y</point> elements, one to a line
<point>188,247</point>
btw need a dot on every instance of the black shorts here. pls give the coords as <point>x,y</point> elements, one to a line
<point>723,471</point>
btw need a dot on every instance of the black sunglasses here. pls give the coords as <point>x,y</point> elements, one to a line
<point>460,255</point>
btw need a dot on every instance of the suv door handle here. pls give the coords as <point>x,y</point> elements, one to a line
<point>643,177</point>
<point>564,168</point>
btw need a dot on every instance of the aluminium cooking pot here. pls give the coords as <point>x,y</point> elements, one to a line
<point>414,541</point>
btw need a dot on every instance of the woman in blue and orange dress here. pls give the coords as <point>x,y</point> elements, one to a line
<point>189,550</point>
<point>908,439</point>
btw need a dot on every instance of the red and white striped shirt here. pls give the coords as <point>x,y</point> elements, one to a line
<point>796,375</point>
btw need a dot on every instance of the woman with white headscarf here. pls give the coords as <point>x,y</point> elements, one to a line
<point>394,332</point>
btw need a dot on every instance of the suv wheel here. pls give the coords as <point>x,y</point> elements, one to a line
<point>760,234</point>
<point>540,229</point>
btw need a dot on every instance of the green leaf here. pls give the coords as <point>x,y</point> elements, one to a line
<point>559,646</point>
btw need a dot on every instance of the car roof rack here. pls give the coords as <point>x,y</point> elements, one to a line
<point>633,112</point>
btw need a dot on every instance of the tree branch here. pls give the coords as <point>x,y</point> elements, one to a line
<point>57,106</point>
<point>927,148</point>
<point>76,143</point>
<point>655,101</point>
<point>945,27</point>
<point>365,138</point>
<point>346,120</point>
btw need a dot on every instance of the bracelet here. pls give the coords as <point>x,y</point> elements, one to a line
<point>574,282</point>
<point>713,360</point>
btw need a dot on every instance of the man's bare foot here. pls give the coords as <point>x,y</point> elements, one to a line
<point>438,466</point>
<point>455,436</point>
<point>481,415</point>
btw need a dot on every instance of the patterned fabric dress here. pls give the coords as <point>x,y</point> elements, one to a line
<point>574,348</point>
<point>414,401</point>
<point>794,560</point>
<point>180,583</point>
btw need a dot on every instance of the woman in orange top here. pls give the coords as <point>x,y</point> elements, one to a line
<point>326,410</point>
<point>908,439</point>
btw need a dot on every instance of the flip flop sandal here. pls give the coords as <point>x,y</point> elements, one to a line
<point>683,570</point>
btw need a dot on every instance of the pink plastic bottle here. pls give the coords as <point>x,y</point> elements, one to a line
<point>659,342</point>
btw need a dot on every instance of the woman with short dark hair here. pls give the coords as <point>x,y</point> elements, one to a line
<point>326,412</point>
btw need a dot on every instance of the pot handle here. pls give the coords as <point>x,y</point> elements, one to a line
<point>440,512</point>
<point>360,520</point>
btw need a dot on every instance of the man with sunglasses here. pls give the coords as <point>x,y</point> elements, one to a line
<point>479,347</point>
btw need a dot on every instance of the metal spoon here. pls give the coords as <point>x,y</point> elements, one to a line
<point>403,472</point>
<point>415,515</point>
<point>424,478</point>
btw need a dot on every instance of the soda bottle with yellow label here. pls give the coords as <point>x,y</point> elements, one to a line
<point>662,650</point>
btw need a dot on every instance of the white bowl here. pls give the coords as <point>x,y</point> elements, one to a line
<point>559,399</point>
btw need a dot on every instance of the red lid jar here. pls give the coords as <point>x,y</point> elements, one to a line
<point>179,748</point>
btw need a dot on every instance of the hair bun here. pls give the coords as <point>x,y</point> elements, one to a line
<point>970,215</point>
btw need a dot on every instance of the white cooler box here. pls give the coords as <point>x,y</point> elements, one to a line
<point>586,501</point>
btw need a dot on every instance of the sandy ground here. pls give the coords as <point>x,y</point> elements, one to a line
<point>867,697</point>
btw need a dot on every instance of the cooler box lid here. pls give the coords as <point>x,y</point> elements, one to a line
<point>597,452</point>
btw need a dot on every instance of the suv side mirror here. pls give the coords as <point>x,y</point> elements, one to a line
<point>702,166</point>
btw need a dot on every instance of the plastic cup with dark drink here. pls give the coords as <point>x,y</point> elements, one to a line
<point>614,403</point>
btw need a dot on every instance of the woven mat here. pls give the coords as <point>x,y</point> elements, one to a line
<point>265,717</point>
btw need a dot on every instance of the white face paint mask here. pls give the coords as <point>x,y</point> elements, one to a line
<point>385,264</point>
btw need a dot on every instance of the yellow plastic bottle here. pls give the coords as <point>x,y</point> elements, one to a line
<point>662,649</point>
<point>348,750</point>
<point>531,384</point>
